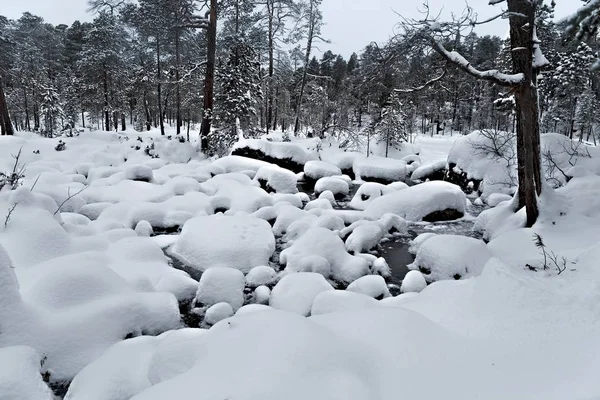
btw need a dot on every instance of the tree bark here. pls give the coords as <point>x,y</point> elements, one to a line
<point>522,21</point>
<point>271,34</point>
<point>159,86</point>
<point>309,40</point>
<point>106,116</point>
<point>209,80</point>
<point>178,85</point>
<point>5,124</point>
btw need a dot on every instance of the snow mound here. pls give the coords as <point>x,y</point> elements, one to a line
<point>379,169</point>
<point>239,241</point>
<point>496,198</point>
<point>323,204</point>
<point>218,312</point>
<point>322,242</point>
<point>367,192</point>
<point>20,377</point>
<point>371,285</point>
<point>431,201</point>
<point>316,169</point>
<point>261,275</point>
<point>285,154</point>
<point>414,281</point>
<point>451,257</point>
<point>296,292</point>
<point>275,179</point>
<point>418,241</point>
<point>335,185</point>
<point>364,237</point>
<point>262,295</point>
<point>341,301</point>
<point>221,285</point>
<point>433,171</point>
<point>139,172</point>
<point>329,196</point>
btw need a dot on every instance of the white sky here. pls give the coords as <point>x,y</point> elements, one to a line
<point>350,24</point>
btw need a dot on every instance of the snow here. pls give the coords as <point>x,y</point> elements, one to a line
<point>317,169</point>
<point>364,238</point>
<point>413,282</point>
<point>451,257</point>
<point>139,173</point>
<point>421,173</point>
<point>416,202</point>
<point>296,292</point>
<point>221,285</point>
<point>341,300</point>
<point>262,295</point>
<point>278,150</point>
<point>20,375</point>
<point>277,179</point>
<point>379,168</point>
<point>367,192</point>
<point>239,241</point>
<point>371,285</point>
<point>322,242</point>
<point>496,198</point>
<point>218,312</point>
<point>335,185</point>
<point>261,275</point>
<point>418,241</point>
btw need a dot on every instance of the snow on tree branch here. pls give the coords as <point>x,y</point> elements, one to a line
<point>423,86</point>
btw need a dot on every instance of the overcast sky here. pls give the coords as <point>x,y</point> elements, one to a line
<point>349,24</point>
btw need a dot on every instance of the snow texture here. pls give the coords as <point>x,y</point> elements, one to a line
<point>296,292</point>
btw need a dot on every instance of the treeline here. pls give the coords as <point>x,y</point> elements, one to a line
<point>143,64</point>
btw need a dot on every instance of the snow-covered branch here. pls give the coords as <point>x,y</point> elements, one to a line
<point>492,75</point>
<point>423,86</point>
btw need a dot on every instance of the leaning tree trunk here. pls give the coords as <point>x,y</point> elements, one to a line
<point>209,80</point>
<point>5,124</point>
<point>522,21</point>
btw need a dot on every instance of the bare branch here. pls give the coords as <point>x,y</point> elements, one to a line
<point>69,197</point>
<point>423,86</point>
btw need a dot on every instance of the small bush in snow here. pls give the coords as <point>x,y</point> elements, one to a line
<point>60,146</point>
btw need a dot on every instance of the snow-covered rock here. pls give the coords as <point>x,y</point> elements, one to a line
<point>413,282</point>
<point>431,201</point>
<point>433,171</point>
<point>285,154</point>
<point>364,237</point>
<point>218,312</point>
<point>418,241</point>
<point>322,242</point>
<point>261,275</point>
<point>20,377</point>
<point>496,198</point>
<point>316,169</point>
<point>262,295</point>
<point>379,169</point>
<point>139,173</point>
<point>367,192</point>
<point>451,257</point>
<point>276,179</point>
<point>239,241</point>
<point>371,285</point>
<point>335,185</point>
<point>221,285</point>
<point>296,292</point>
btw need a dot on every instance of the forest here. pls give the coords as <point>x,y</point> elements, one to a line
<point>144,65</point>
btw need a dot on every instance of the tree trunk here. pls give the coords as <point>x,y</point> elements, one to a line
<point>105,87</point>
<point>209,80</point>
<point>5,124</point>
<point>27,125</point>
<point>522,21</point>
<point>123,125</point>
<point>178,85</point>
<point>159,86</point>
<point>309,40</point>
<point>271,45</point>
<point>148,116</point>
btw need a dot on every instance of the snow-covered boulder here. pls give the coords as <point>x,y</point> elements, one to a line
<point>336,185</point>
<point>317,169</point>
<point>429,201</point>
<point>332,301</point>
<point>322,242</point>
<point>432,172</point>
<point>218,312</point>
<point>418,241</point>
<point>451,257</point>
<point>367,192</point>
<point>262,295</point>
<point>275,179</point>
<point>413,282</point>
<point>239,241</point>
<point>364,237</point>
<point>496,198</point>
<point>296,292</point>
<point>20,377</point>
<point>139,172</point>
<point>261,275</point>
<point>379,169</point>
<point>287,155</point>
<point>371,285</point>
<point>221,285</point>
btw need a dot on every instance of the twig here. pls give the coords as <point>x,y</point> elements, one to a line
<point>70,196</point>
<point>10,211</point>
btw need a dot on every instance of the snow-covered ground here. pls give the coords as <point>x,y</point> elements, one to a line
<point>285,297</point>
